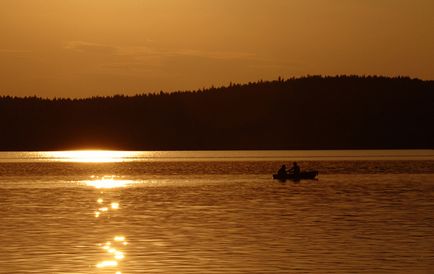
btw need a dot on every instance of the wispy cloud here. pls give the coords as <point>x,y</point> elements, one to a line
<point>149,52</point>
<point>152,61</point>
<point>14,51</point>
<point>89,47</point>
<point>221,55</point>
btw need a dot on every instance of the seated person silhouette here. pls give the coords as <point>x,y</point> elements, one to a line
<point>295,170</point>
<point>282,172</point>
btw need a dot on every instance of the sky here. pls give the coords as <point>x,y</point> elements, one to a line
<point>82,48</point>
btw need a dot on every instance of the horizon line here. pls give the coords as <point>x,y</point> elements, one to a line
<point>231,84</point>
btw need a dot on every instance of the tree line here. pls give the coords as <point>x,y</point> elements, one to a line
<point>313,112</point>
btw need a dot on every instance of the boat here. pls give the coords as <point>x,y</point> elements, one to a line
<point>304,175</point>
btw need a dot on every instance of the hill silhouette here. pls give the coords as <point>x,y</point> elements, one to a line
<point>315,112</point>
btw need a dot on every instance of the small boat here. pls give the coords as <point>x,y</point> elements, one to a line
<point>304,175</point>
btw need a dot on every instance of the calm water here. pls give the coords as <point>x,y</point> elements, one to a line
<point>216,212</point>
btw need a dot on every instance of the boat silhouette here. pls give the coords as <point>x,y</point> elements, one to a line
<point>304,175</point>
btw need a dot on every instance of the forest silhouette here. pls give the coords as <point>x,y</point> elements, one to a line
<point>313,112</point>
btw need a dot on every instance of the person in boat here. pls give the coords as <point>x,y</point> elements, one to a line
<point>282,172</point>
<point>295,170</point>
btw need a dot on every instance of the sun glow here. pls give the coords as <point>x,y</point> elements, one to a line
<point>91,156</point>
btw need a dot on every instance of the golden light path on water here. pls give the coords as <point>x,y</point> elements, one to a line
<point>108,182</point>
<point>112,249</point>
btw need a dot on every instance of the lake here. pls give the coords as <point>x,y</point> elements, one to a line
<point>216,212</point>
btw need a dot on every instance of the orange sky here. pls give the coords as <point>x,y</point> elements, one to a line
<point>80,48</point>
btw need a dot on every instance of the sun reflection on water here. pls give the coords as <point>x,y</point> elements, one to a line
<point>108,182</point>
<point>115,205</point>
<point>113,249</point>
<point>119,238</point>
<point>107,264</point>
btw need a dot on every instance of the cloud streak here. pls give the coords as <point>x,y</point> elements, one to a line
<point>89,47</point>
<point>12,51</point>
<point>148,52</point>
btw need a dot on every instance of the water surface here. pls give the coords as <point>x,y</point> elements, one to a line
<point>216,212</point>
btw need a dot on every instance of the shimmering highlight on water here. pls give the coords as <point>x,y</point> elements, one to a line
<point>208,216</point>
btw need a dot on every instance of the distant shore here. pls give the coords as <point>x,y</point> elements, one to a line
<point>342,112</point>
